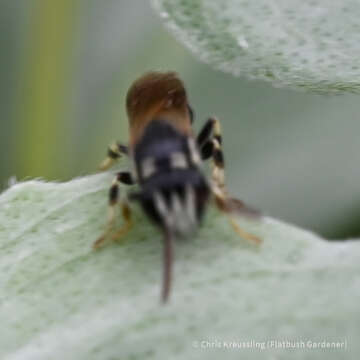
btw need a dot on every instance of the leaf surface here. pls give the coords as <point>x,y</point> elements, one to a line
<point>61,300</point>
<point>305,44</point>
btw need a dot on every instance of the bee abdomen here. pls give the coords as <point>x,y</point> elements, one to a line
<point>174,191</point>
<point>176,200</point>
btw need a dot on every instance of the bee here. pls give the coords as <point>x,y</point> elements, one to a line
<point>167,159</point>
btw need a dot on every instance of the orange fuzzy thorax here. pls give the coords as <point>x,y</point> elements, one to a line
<point>157,95</point>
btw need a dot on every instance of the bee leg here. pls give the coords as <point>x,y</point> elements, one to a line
<point>244,234</point>
<point>126,214</point>
<point>206,133</point>
<point>210,143</point>
<point>125,178</point>
<point>114,152</point>
<point>212,147</point>
<point>222,204</point>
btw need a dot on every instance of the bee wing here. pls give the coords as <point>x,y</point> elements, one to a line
<point>235,206</point>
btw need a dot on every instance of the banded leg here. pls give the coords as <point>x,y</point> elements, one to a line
<point>114,152</point>
<point>210,129</point>
<point>210,142</point>
<point>125,178</point>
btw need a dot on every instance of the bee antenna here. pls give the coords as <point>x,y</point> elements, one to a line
<point>167,262</point>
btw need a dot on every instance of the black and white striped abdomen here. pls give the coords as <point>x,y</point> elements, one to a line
<point>174,192</point>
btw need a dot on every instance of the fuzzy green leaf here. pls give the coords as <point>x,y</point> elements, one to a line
<point>59,299</point>
<point>305,44</point>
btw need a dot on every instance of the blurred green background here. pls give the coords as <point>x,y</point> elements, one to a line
<point>65,68</point>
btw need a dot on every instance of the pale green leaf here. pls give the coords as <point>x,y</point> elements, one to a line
<point>61,300</point>
<point>308,44</point>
